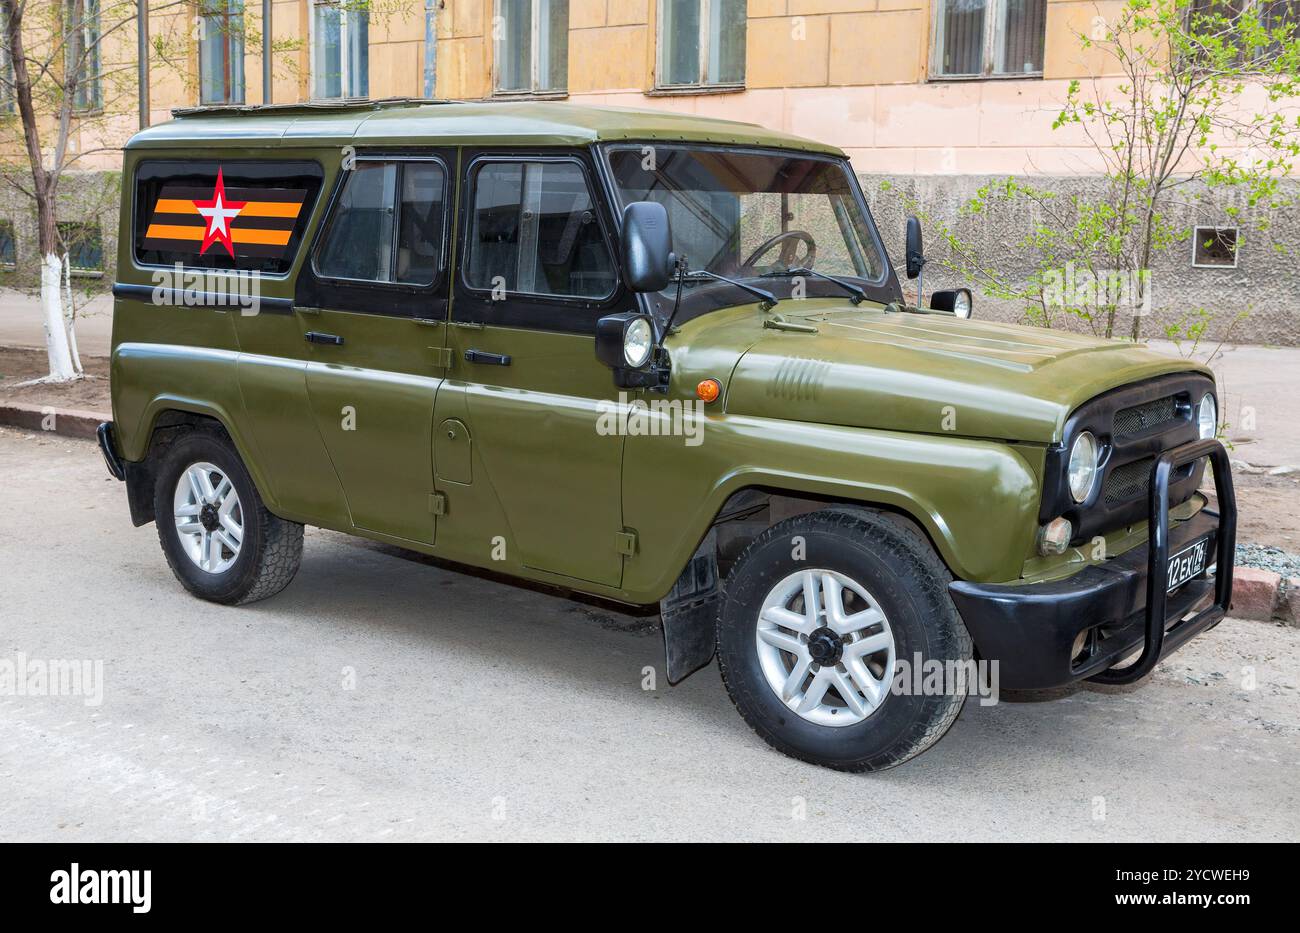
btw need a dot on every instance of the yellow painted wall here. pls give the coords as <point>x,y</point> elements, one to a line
<point>852,72</point>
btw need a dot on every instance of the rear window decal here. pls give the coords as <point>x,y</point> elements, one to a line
<point>254,222</point>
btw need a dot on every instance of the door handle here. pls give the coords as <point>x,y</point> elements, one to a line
<point>482,356</point>
<point>315,336</point>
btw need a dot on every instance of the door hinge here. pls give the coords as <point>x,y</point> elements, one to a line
<point>625,543</point>
<point>438,503</point>
<point>442,357</point>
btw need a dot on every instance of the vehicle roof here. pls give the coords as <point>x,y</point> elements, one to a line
<point>448,123</point>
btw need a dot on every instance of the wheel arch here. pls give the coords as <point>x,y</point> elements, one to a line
<point>162,421</point>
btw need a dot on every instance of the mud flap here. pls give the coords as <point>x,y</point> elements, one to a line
<point>690,612</point>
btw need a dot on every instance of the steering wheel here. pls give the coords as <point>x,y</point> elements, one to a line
<point>788,242</point>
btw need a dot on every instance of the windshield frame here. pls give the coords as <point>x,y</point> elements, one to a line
<point>719,295</point>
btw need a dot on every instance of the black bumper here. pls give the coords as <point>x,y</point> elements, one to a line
<point>112,459</point>
<point>1121,605</point>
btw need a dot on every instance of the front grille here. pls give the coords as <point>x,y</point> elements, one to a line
<point>1127,482</point>
<point>1145,417</point>
<point>1135,424</point>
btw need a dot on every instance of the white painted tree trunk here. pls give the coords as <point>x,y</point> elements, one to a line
<point>70,316</point>
<point>56,330</point>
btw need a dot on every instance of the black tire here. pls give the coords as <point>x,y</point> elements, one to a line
<point>896,564</point>
<point>271,549</point>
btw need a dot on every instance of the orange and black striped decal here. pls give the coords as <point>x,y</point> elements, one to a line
<point>261,228</point>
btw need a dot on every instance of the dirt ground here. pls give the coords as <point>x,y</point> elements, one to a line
<point>1268,510</point>
<point>1269,506</point>
<point>19,365</point>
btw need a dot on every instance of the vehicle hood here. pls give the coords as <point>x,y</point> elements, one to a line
<point>921,372</point>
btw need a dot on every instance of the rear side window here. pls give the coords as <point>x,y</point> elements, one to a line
<point>387,225</point>
<point>534,231</point>
<point>223,215</point>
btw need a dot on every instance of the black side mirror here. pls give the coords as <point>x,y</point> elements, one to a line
<point>915,253</point>
<point>648,259</point>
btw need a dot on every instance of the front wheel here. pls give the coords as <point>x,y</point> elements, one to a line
<point>819,613</point>
<point>219,538</point>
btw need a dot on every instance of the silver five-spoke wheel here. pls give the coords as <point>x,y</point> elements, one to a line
<point>209,517</point>
<point>825,647</point>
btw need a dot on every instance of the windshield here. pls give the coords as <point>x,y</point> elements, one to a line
<point>754,215</point>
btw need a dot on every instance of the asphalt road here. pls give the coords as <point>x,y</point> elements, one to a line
<point>482,710</point>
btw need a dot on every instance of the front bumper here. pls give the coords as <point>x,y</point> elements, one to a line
<point>1033,630</point>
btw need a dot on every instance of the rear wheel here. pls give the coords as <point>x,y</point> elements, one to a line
<point>218,537</point>
<point>819,612</point>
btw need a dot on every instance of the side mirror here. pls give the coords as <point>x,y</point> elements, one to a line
<point>956,300</point>
<point>915,253</point>
<point>647,247</point>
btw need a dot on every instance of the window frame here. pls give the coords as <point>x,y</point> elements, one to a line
<point>884,289</point>
<point>89,97</point>
<point>704,84</point>
<point>328,218</point>
<point>310,203</point>
<point>1247,7</point>
<point>345,68</point>
<point>1215,230</point>
<point>534,58</point>
<point>7,265</point>
<point>994,36</point>
<point>85,272</point>
<point>471,189</point>
<point>226,15</point>
<point>6,72</point>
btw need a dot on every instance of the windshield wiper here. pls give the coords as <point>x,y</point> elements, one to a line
<point>857,295</point>
<point>769,301</point>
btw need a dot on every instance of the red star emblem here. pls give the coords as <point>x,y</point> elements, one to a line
<point>219,212</point>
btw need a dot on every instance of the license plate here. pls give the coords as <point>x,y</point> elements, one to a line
<point>1187,563</point>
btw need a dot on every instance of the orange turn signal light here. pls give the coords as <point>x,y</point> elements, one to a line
<point>708,390</point>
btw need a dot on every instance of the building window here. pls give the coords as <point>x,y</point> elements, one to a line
<point>1272,16</point>
<point>82,54</point>
<point>701,43</point>
<point>8,246</point>
<point>532,46</point>
<point>85,248</point>
<point>1214,247</point>
<point>221,52</point>
<point>340,56</point>
<point>988,38</point>
<point>6,70</point>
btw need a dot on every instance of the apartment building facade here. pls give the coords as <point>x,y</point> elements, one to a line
<point>930,98</point>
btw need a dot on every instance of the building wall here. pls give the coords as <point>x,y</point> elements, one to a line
<point>851,72</point>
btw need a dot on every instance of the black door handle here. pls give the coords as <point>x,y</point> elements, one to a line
<point>315,336</point>
<point>482,356</point>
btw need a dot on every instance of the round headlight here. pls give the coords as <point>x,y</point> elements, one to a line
<point>961,303</point>
<point>1082,471</point>
<point>637,343</point>
<point>1207,418</point>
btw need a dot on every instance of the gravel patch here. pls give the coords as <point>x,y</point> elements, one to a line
<point>1265,557</point>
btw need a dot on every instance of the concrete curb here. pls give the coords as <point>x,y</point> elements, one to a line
<point>1264,596</point>
<point>69,422</point>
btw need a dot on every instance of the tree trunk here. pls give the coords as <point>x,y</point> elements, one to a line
<point>56,332</point>
<point>57,345</point>
<point>45,183</point>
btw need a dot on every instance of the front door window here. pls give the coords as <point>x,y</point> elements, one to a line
<point>534,231</point>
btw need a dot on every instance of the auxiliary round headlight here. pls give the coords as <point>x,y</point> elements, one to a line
<point>961,303</point>
<point>637,343</point>
<point>1082,471</point>
<point>1207,418</point>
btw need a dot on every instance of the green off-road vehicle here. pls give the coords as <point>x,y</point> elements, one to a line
<point>661,360</point>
